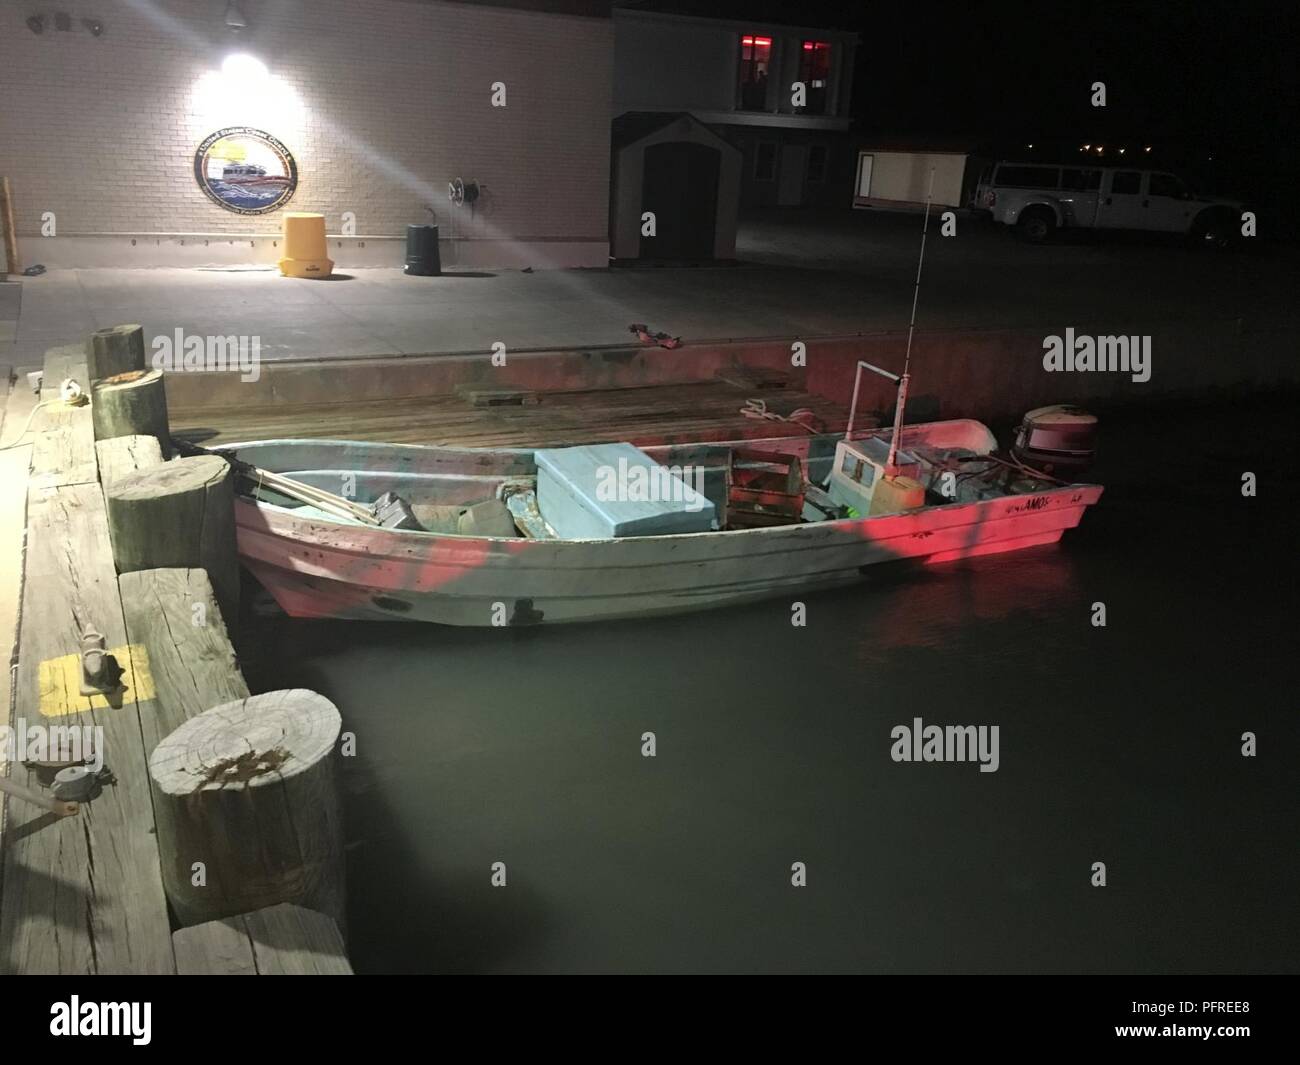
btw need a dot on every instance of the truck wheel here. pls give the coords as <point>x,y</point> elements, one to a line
<point>1215,229</point>
<point>1035,225</point>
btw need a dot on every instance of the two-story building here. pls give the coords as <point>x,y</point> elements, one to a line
<point>779,93</point>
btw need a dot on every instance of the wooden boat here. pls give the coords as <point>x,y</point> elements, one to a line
<point>318,565</point>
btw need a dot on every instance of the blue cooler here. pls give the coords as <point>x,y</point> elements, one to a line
<point>603,491</point>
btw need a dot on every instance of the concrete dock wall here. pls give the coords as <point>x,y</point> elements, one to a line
<point>985,374</point>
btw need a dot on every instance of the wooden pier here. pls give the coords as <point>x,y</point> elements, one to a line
<point>85,894</point>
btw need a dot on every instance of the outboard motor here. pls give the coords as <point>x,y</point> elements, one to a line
<point>1057,439</point>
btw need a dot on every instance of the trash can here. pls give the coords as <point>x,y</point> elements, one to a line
<point>422,255</point>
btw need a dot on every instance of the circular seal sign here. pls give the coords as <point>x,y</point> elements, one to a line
<point>245,170</point>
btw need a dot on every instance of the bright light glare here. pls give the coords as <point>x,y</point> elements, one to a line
<point>243,92</point>
<point>240,66</point>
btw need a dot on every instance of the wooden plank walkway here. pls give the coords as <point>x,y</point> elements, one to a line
<point>84,894</point>
<point>81,894</point>
<point>694,411</point>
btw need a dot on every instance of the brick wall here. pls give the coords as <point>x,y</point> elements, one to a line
<point>381,103</point>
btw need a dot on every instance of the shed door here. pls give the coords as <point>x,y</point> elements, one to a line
<point>680,185</point>
<point>794,165</point>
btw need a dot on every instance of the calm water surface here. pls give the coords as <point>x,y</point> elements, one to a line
<point>1118,744</point>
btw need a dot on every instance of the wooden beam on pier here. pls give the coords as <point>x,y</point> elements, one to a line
<point>63,449</point>
<point>173,614</point>
<point>283,940</point>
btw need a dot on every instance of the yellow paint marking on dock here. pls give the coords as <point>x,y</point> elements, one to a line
<point>60,680</point>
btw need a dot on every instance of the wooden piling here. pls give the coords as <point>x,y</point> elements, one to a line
<point>131,404</point>
<point>12,263</point>
<point>115,350</point>
<point>246,807</point>
<point>178,514</point>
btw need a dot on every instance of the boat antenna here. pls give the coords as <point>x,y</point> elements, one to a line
<point>891,464</point>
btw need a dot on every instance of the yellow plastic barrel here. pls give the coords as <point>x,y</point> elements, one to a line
<point>304,246</point>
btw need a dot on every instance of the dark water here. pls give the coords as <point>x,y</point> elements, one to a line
<point>1118,744</point>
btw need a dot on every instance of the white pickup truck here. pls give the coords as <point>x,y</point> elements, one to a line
<point>1039,199</point>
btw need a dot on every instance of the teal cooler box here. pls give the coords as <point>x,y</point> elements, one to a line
<point>605,491</point>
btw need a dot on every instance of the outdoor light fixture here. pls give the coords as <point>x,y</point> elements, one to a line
<point>36,23</point>
<point>235,19</point>
<point>93,25</point>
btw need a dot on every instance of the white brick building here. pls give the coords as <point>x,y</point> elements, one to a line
<point>381,102</point>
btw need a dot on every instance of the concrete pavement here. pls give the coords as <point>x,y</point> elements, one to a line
<point>802,274</point>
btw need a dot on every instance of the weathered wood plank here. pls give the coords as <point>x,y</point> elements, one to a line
<point>63,450</point>
<point>173,614</point>
<point>67,360</point>
<point>217,948</point>
<point>83,894</point>
<point>283,940</point>
<point>126,454</point>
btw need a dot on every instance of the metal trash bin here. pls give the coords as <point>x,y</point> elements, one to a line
<point>422,256</point>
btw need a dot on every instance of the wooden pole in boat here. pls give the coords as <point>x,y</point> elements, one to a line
<point>247,789</point>
<point>891,464</point>
<point>337,505</point>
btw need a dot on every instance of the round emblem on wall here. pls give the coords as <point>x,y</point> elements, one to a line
<point>245,170</point>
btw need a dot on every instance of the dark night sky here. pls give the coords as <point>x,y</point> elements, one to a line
<point>1193,77</point>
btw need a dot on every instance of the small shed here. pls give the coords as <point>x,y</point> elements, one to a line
<point>674,166</point>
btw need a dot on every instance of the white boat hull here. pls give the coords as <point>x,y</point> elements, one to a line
<point>325,569</point>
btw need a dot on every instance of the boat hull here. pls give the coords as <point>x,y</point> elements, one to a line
<point>322,569</point>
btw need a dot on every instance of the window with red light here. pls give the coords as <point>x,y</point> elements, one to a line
<point>815,73</point>
<point>755,54</point>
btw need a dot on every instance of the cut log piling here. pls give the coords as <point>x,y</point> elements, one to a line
<point>116,350</point>
<point>247,789</point>
<point>131,404</point>
<point>179,514</point>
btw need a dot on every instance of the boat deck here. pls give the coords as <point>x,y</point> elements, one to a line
<point>660,414</point>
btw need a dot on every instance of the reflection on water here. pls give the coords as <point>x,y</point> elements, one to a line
<point>1118,745</point>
